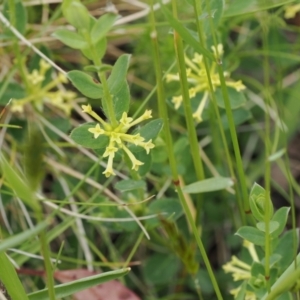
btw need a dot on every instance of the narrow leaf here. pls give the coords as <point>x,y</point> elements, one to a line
<point>118,74</point>
<point>18,185</point>
<point>10,279</point>
<point>67,289</point>
<point>70,38</point>
<point>22,237</point>
<point>208,185</point>
<point>238,7</point>
<point>102,26</point>
<point>85,84</point>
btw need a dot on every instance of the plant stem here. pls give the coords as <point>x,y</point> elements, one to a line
<point>169,143</point>
<point>233,134</point>
<point>198,12</point>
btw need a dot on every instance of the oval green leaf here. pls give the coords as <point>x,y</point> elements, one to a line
<point>280,216</point>
<point>85,84</point>
<point>237,99</point>
<point>70,38</point>
<point>273,225</point>
<point>252,235</point>
<point>208,185</point>
<point>83,137</point>
<point>129,185</point>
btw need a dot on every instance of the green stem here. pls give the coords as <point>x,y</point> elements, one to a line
<point>192,134</point>
<point>198,12</point>
<point>102,76</point>
<point>233,134</point>
<point>267,176</point>
<point>169,144</point>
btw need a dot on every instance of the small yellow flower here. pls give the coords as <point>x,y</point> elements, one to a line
<point>35,77</point>
<point>96,131</point>
<point>86,108</point>
<point>44,66</point>
<point>197,77</point>
<point>62,78</point>
<point>118,136</point>
<point>109,169</point>
<point>291,11</point>
<point>135,162</point>
<point>17,106</point>
<point>148,145</point>
<point>125,120</point>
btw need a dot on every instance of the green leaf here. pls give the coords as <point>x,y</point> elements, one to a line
<point>118,74</point>
<point>280,216</point>
<point>258,202</point>
<point>70,38</point>
<point>273,225</point>
<point>240,116</point>
<point>20,17</point>
<point>240,7</point>
<point>76,14</point>
<point>129,185</point>
<point>257,269</point>
<point>146,159</point>
<point>159,268</point>
<point>242,292</point>
<point>17,184</point>
<point>276,155</point>
<point>121,101</point>
<point>151,129</point>
<point>83,137</point>
<point>212,9</point>
<point>100,48</point>
<point>70,288</point>
<point>10,279</point>
<point>22,237</point>
<point>168,208</point>
<point>85,84</point>
<point>208,185</point>
<point>102,26</point>
<point>237,99</point>
<point>185,34</point>
<point>286,248</point>
<point>252,235</point>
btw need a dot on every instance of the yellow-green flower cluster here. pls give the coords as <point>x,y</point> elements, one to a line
<point>197,77</point>
<point>43,94</point>
<point>241,270</point>
<point>291,11</point>
<point>118,137</point>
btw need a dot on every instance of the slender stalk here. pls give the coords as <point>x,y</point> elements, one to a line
<point>233,134</point>
<point>192,135</point>
<point>169,143</point>
<point>198,12</point>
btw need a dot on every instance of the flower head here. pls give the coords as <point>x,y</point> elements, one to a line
<point>119,137</point>
<point>197,77</point>
<point>41,94</point>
